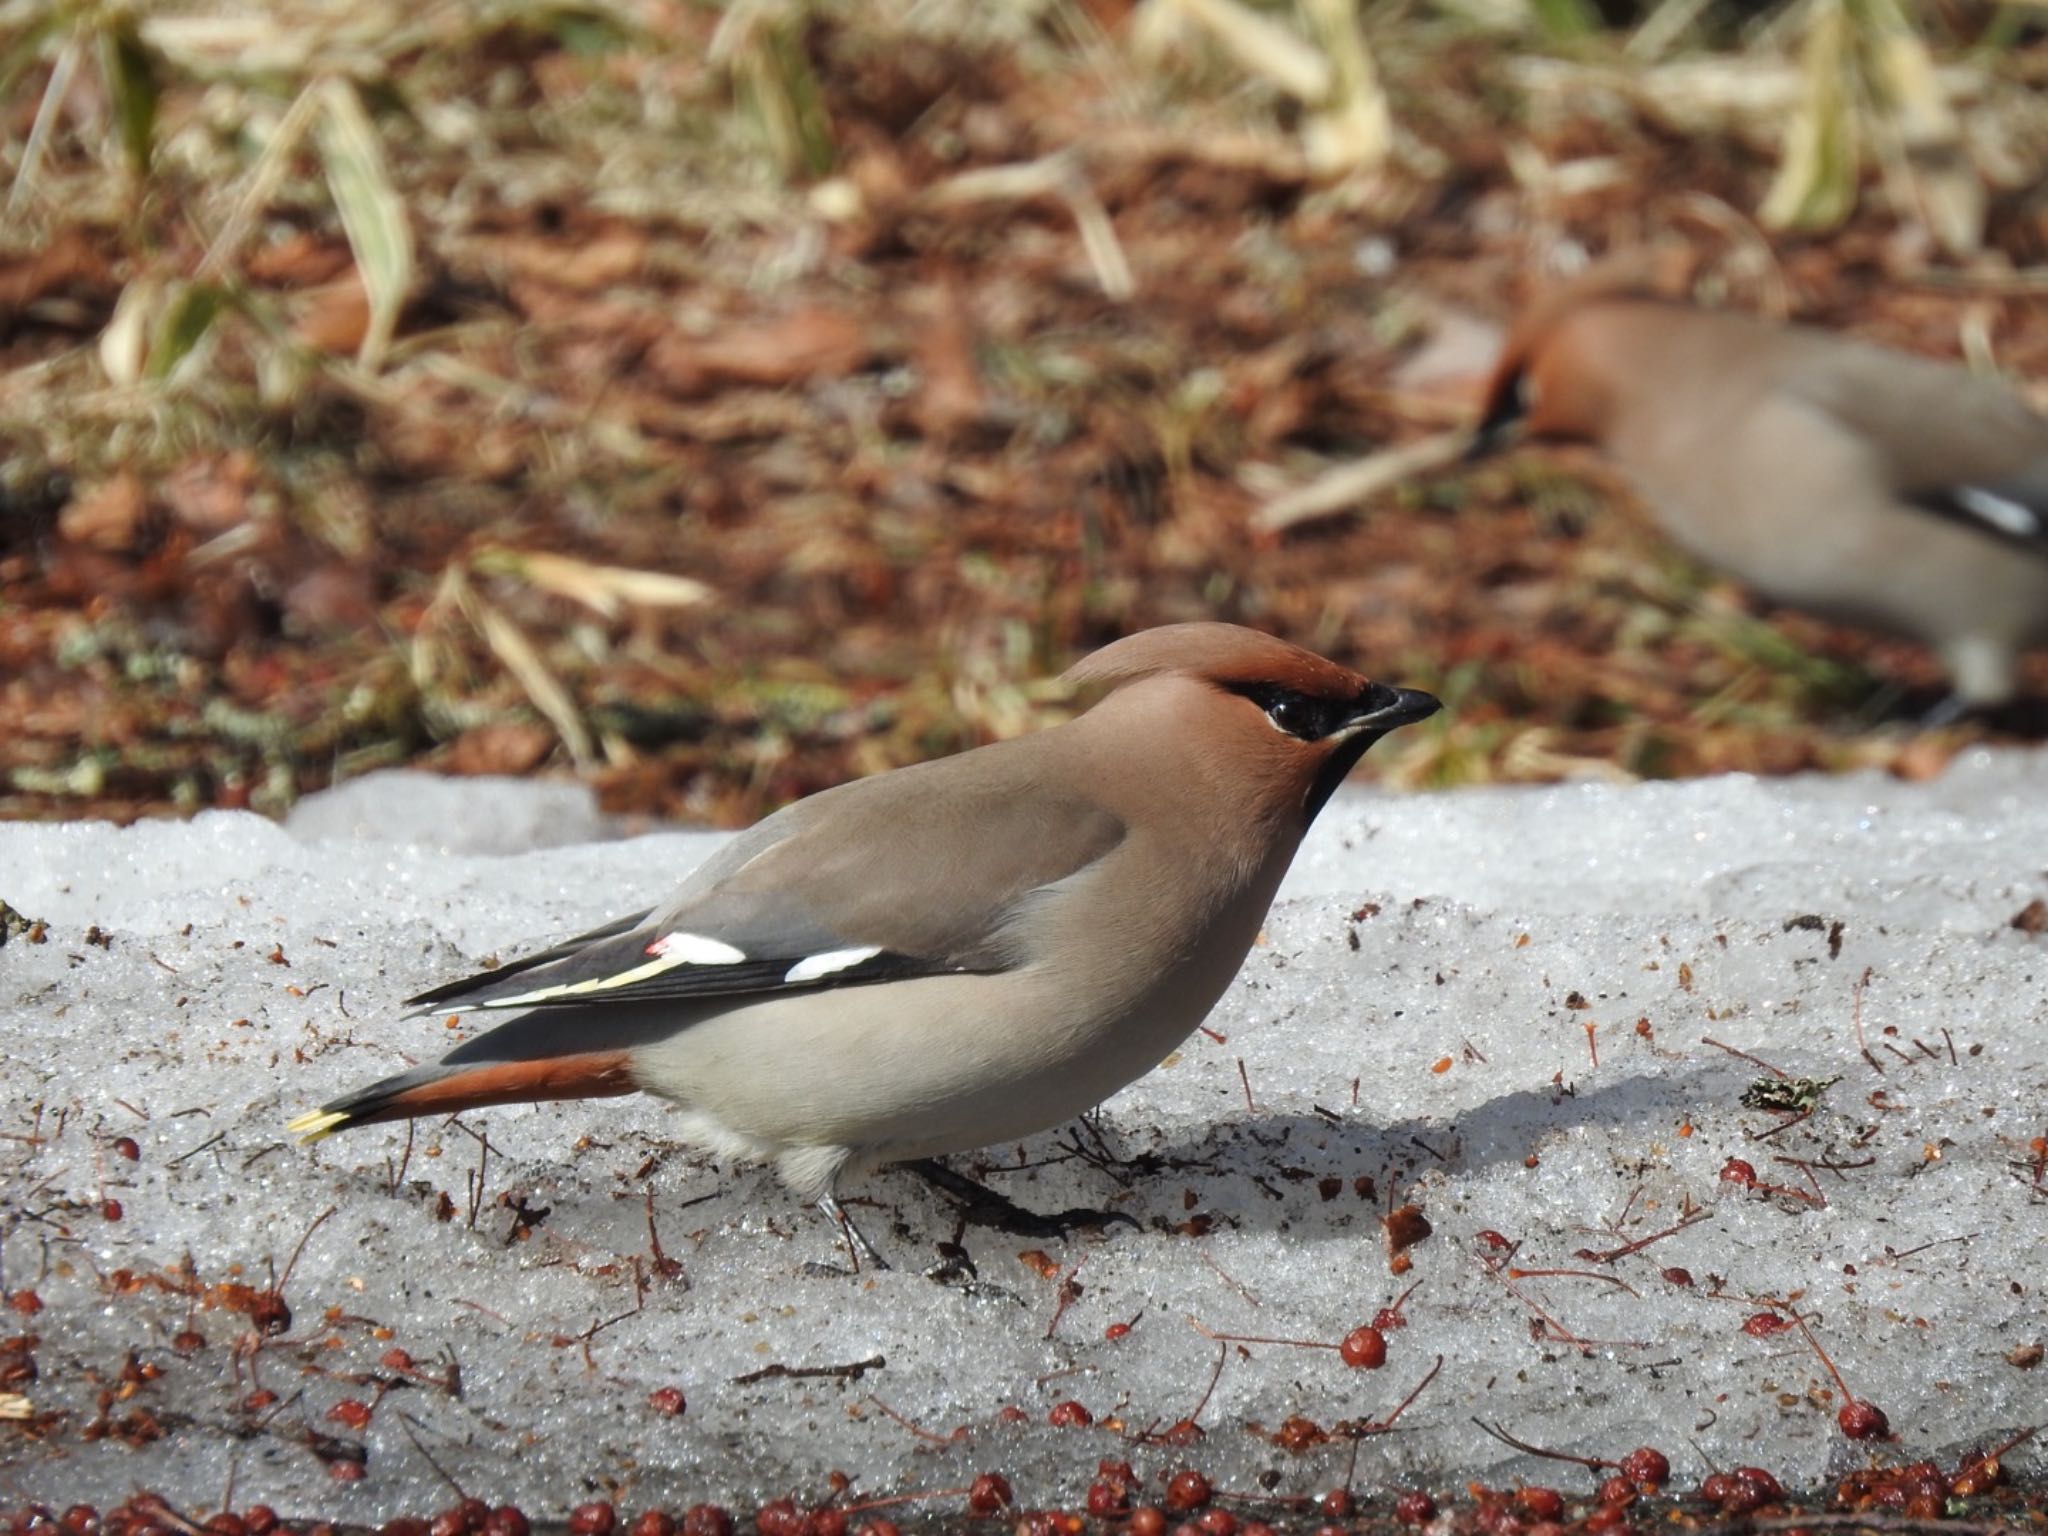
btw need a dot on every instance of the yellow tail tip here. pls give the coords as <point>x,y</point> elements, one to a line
<point>316,1123</point>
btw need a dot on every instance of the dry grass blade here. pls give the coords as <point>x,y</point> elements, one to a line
<point>1355,129</point>
<point>372,213</point>
<point>509,644</point>
<point>1055,175</point>
<point>1343,487</point>
<point>1262,47</point>
<point>124,344</point>
<point>1815,186</point>
<point>1936,175</point>
<point>46,119</point>
<point>263,181</point>
<point>605,588</point>
<point>761,42</point>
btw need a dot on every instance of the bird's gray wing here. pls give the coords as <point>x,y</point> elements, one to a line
<point>1959,447</point>
<point>917,872</point>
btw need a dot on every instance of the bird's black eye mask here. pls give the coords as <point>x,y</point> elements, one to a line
<point>1506,409</point>
<point>1300,715</point>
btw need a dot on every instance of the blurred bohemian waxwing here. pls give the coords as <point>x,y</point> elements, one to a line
<point>1862,484</point>
<point>948,955</point>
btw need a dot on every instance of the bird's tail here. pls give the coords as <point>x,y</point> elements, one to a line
<point>448,1088</point>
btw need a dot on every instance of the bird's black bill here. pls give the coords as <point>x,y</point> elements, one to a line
<point>1385,709</point>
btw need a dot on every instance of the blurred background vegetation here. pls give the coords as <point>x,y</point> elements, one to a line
<point>720,401</point>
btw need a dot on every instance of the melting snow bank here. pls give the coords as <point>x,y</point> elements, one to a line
<point>1420,1027</point>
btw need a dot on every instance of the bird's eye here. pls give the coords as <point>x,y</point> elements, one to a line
<point>1296,716</point>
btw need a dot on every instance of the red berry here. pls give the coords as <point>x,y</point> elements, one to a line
<point>1216,1522</point>
<point>188,1341</point>
<point>593,1519</point>
<point>1146,1520</point>
<point>667,1400</point>
<point>1365,1348</point>
<point>1762,1325</point>
<point>1108,1501</point>
<point>402,1526</point>
<point>1415,1508</point>
<point>80,1519</point>
<point>1762,1481</point>
<point>110,1210</point>
<point>396,1360</point>
<point>1336,1503</point>
<point>655,1522</point>
<point>506,1520</point>
<point>228,1523</point>
<point>1863,1421</point>
<point>778,1517</point>
<point>1736,1171</point>
<point>1646,1464</point>
<point>1677,1276</point>
<point>353,1413</point>
<point>990,1492</point>
<point>707,1520</point>
<point>1617,1490</point>
<point>1187,1490</point>
<point>879,1528</point>
<point>1070,1415</point>
<point>1540,1503</point>
<point>124,1146</point>
<point>1116,1331</point>
<point>1743,1490</point>
<point>825,1522</point>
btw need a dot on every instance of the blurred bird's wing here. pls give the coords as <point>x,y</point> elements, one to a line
<point>1965,449</point>
<point>917,872</point>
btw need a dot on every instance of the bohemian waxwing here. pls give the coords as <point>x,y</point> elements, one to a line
<point>1862,484</point>
<point>947,955</point>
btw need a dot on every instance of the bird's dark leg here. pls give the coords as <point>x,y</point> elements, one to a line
<point>981,1206</point>
<point>857,1243</point>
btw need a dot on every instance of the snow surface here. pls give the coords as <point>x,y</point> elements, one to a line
<point>1410,1019</point>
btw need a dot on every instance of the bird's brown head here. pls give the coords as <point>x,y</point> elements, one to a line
<point>1280,716</point>
<point>1553,380</point>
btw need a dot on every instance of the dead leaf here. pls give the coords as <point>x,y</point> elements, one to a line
<point>2033,917</point>
<point>505,749</point>
<point>107,517</point>
<point>1405,1227</point>
<point>68,260</point>
<point>809,343</point>
<point>210,495</point>
<point>952,397</point>
<point>336,317</point>
<point>301,260</point>
<point>600,258</point>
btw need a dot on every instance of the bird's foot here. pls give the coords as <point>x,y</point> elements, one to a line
<point>857,1245</point>
<point>980,1206</point>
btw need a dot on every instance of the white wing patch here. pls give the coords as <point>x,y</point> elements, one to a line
<point>695,949</point>
<point>2001,512</point>
<point>669,951</point>
<point>812,967</point>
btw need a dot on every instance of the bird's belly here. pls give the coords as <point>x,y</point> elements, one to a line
<point>913,1069</point>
